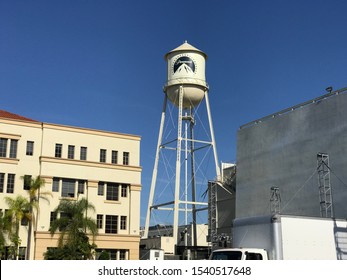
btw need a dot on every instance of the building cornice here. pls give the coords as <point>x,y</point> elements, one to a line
<point>90,164</point>
<point>9,160</point>
<point>20,122</point>
<point>70,129</point>
<point>9,135</point>
<point>134,187</point>
<point>42,234</point>
<point>91,131</point>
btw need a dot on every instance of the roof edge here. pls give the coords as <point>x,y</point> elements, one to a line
<point>186,47</point>
<point>8,115</point>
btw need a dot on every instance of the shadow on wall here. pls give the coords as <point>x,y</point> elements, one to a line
<point>340,234</point>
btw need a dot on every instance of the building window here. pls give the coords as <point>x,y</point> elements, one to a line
<point>7,214</point>
<point>125,158</point>
<point>3,147</point>
<point>10,183</point>
<point>111,224</point>
<point>99,219</point>
<point>2,182</point>
<point>53,217</point>
<point>124,192</point>
<point>122,254</point>
<point>27,182</point>
<point>13,148</point>
<point>68,188</point>
<point>66,217</point>
<point>112,192</point>
<point>83,154</point>
<point>55,185</point>
<point>21,253</point>
<point>111,253</point>
<point>30,148</point>
<point>101,188</point>
<point>71,152</point>
<point>24,221</point>
<point>102,155</point>
<point>114,159</point>
<point>80,188</point>
<point>123,222</point>
<point>58,150</point>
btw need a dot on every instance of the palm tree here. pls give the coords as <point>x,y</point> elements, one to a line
<point>18,210</point>
<point>4,228</point>
<point>74,225</point>
<point>35,194</point>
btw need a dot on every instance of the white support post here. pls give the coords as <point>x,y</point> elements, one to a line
<point>212,135</point>
<point>155,169</point>
<point>178,166</point>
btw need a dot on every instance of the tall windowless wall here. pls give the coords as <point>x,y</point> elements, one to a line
<point>281,150</point>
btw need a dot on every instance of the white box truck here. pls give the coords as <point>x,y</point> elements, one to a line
<point>285,237</point>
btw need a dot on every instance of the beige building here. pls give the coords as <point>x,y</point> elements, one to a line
<point>74,162</point>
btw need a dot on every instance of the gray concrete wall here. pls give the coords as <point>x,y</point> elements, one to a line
<point>225,211</point>
<point>282,151</point>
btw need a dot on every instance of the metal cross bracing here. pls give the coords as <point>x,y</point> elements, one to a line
<point>185,152</point>
<point>324,186</point>
<point>212,213</point>
<point>275,200</point>
<point>225,183</point>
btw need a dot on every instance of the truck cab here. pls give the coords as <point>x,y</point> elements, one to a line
<point>239,254</point>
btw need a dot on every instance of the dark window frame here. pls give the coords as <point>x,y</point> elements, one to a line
<point>111,224</point>
<point>126,156</point>
<point>112,191</point>
<point>124,190</point>
<point>103,155</point>
<point>30,148</point>
<point>80,186</point>
<point>13,148</point>
<point>101,188</point>
<point>11,178</point>
<point>55,184</point>
<point>122,254</point>
<point>68,188</point>
<point>123,222</point>
<point>83,153</point>
<point>2,182</point>
<point>99,220</point>
<point>53,217</point>
<point>71,152</point>
<point>3,147</point>
<point>26,182</point>
<point>114,159</point>
<point>58,150</point>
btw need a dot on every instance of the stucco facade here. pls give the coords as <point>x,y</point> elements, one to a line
<point>75,162</point>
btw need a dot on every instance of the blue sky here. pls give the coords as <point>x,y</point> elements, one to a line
<point>100,64</point>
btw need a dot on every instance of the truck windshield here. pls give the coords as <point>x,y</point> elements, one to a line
<point>226,255</point>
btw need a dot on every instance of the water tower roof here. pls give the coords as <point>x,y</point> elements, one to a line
<point>186,47</point>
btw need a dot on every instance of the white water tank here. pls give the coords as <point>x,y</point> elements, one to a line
<point>186,68</point>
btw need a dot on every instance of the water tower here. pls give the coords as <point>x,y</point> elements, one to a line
<point>187,90</point>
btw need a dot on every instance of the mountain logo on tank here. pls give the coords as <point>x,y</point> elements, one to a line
<point>184,64</point>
